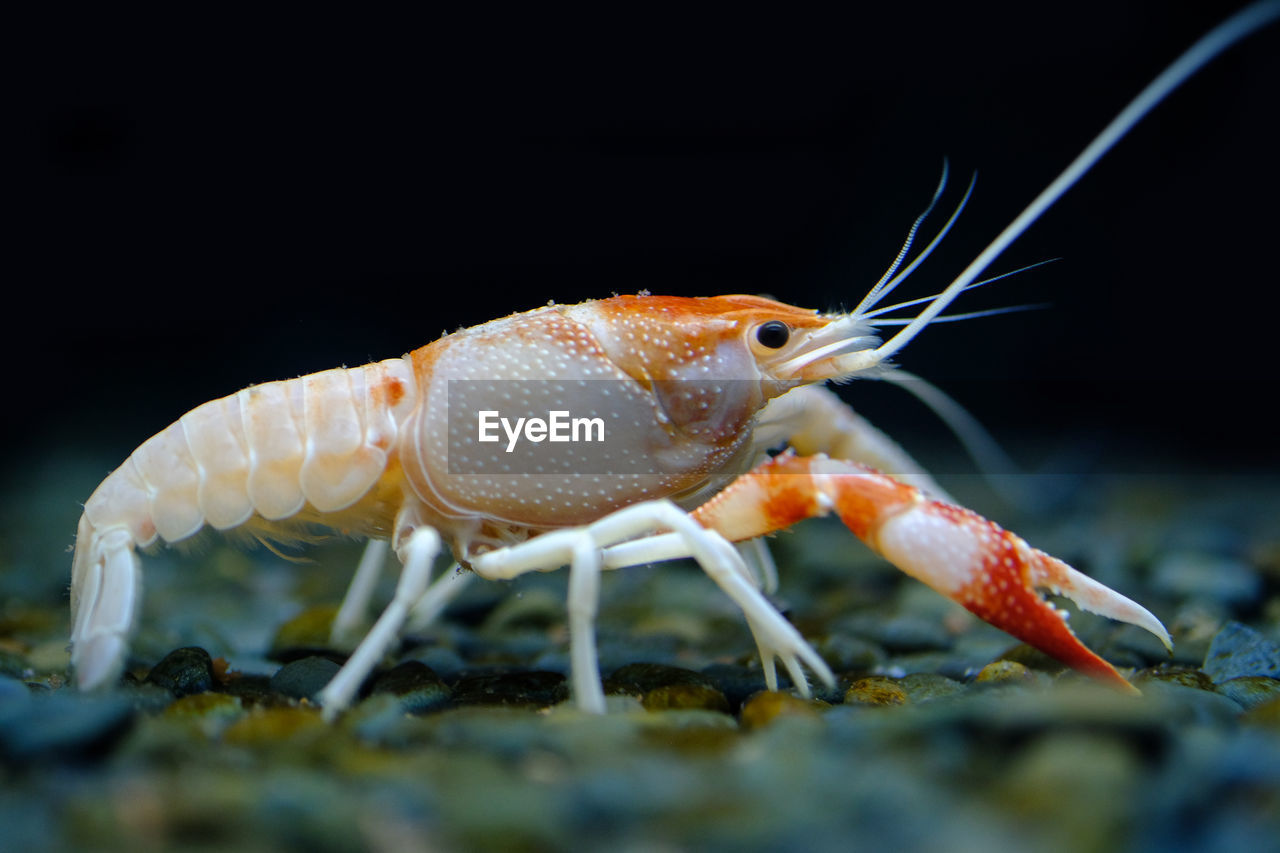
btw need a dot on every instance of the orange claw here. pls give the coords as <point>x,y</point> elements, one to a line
<point>973,561</point>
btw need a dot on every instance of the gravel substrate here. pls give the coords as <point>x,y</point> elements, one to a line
<point>941,731</point>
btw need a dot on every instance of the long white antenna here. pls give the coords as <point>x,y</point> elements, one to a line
<point>1244,23</point>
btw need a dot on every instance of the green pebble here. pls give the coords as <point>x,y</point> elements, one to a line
<point>1004,670</point>
<point>876,690</point>
<point>764,708</point>
<point>685,697</point>
<point>1184,675</point>
<point>638,679</point>
<point>1251,690</point>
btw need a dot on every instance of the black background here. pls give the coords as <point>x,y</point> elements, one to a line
<point>205,204</point>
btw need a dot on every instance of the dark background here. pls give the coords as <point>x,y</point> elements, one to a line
<point>205,204</point>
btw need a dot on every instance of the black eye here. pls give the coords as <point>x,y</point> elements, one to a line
<point>773,334</point>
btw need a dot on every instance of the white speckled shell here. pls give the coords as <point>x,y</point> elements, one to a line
<point>552,359</point>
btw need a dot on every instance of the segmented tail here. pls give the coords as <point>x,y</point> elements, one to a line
<point>106,586</point>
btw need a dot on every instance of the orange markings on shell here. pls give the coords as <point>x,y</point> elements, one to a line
<point>789,498</point>
<point>998,589</point>
<point>1002,594</point>
<point>864,501</point>
<point>769,498</point>
<point>653,337</point>
<point>385,392</point>
<point>786,489</point>
<point>704,307</point>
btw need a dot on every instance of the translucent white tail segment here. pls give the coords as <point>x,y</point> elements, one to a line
<point>108,585</point>
<point>1238,26</point>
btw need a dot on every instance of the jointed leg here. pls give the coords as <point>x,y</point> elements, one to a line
<point>584,597</point>
<point>672,546</point>
<point>355,605</point>
<point>581,546</point>
<point>417,553</point>
<point>439,595</point>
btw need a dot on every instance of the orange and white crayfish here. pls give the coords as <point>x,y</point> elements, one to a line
<point>601,435</point>
<point>680,400</point>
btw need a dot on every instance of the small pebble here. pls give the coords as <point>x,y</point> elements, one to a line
<point>274,725</point>
<point>1184,675</point>
<point>763,708</point>
<point>442,660</point>
<point>145,697</point>
<point>637,679</point>
<point>253,690</point>
<point>876,690</point>
<point>536,688</point>
<point>305,678</point>
<point>1239,650</point>
<point>1005,672</point>
<point>1250,690</point>
<point>685,697</point>
<point>1183,704</point>
<point>203,704</point>
<point>416,685</point>
<point>209,713</point>
<point>735,681</point>
<point>927,686</point>
<point>844,652</point>
<point>183,672</point>
<point>714,726</point>
<point>382,719</point>
<point>1032,658</point>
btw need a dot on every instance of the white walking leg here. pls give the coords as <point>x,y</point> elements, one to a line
<point>417,554</point>
<point>353,613</point>
<point>776,637</point>
<point>584,595</point>
<point>755,553</point>
<point>671,546</point>
<point>439,595</point>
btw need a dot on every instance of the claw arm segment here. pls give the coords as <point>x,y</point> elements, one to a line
<point>990,571</point>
